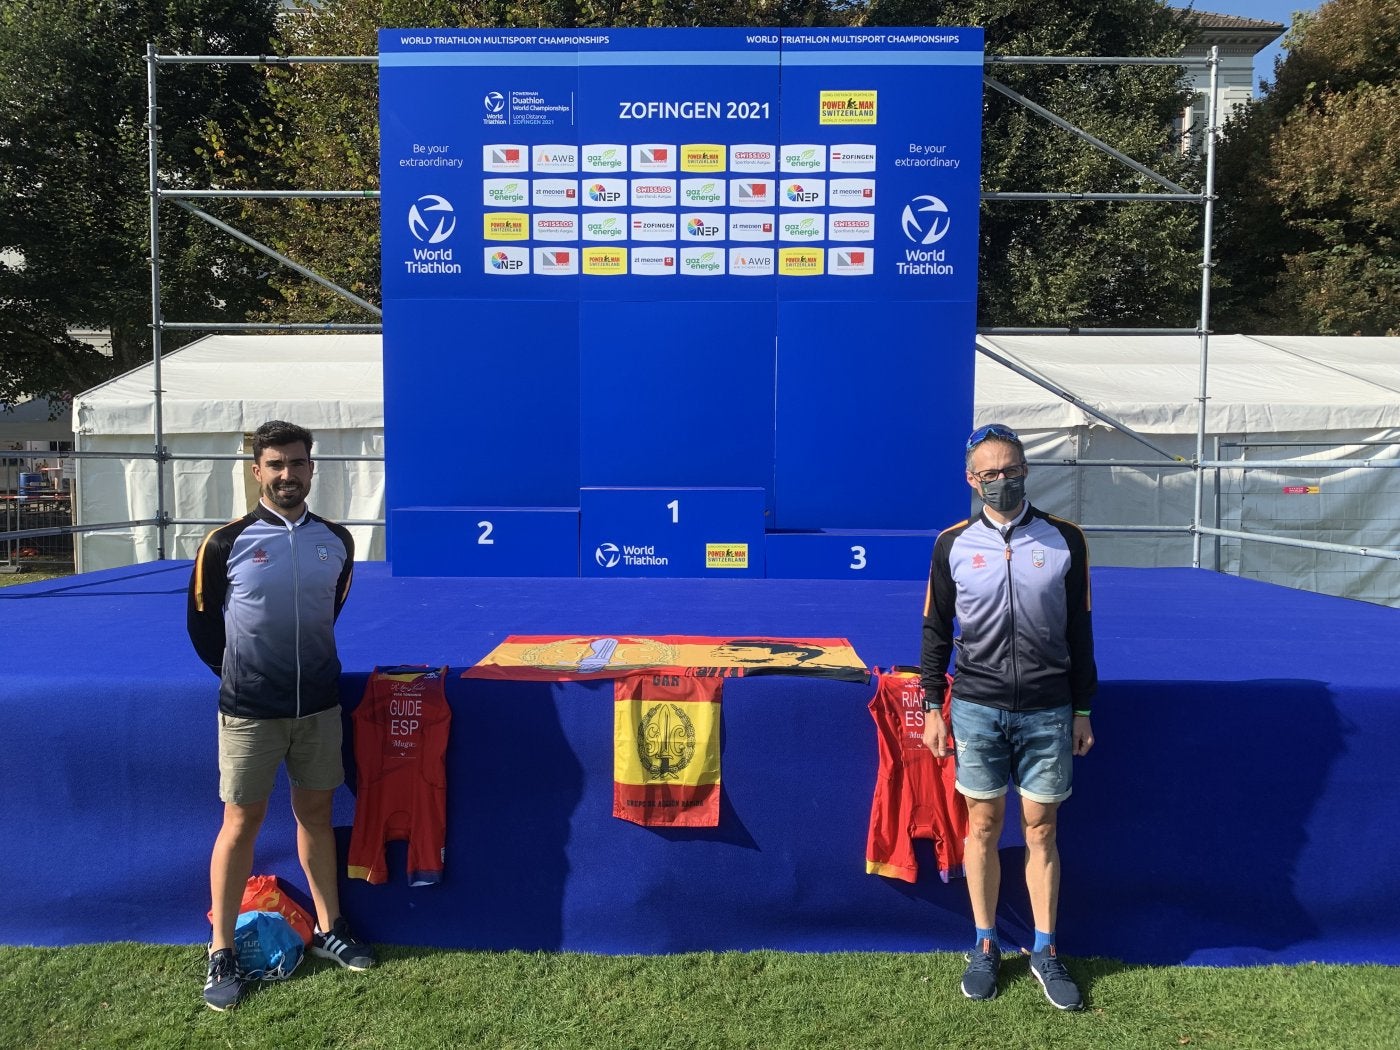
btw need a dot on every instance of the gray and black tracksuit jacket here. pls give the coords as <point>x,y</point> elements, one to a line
<point>1021,602</point>
<point>264,597</point>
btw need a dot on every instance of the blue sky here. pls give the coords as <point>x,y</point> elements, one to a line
<point>1269,10</point>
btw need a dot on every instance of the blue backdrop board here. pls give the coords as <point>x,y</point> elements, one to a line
<point>679,258</point>
<point>1215,822</point>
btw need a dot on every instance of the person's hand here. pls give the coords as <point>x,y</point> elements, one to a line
<point>936,734</point>
<point>1083,735</point>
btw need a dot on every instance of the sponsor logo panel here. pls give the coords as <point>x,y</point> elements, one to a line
<point>851,262</point>
<point>505,226</point>
<point>802,193</point>
<point>850,226</point>
<point>804,157</point>
<point>726,555</point>
<point>752,226</point>
<point>604,157</point>
<point>653,193</point>
<point>604,193</point>
<point>853,157</point>
<point>653,156</point>
<point>605,262</point>
<point>702,226</point>
<point>702,262</point>
<point>702,157</point>
<point>555,226</point>
<point>554,193</point>
<point>702,193</point>
<point>851,193</point>
<point>505,193</point>
<point>654,226</point>
<point>751,262</point>
<point>751,193</point>
<point>555,158</point>
<point>604,227</point>
<point>653,262</point>
<point>752,157</point>
<point>556,262</point>
<point>848,107</point>
<point>505,158</point>
<point>796,227</point>
<point>507,261</point>
<point>801,262</point>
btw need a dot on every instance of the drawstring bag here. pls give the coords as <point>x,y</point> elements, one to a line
<point>269,893</point>
<point>267,947</point>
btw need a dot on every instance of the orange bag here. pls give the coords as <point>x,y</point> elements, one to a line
<point>267,893</point>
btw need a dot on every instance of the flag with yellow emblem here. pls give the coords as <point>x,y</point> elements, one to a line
<point>666,750</point>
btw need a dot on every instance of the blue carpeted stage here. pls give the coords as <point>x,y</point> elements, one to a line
<point>1239,808</point>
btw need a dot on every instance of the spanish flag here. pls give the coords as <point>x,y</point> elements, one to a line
<point>666,750</point>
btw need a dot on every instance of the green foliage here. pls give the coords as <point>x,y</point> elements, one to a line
<point>1309,181</point>
<point>134,996</point>
<point>74,176</point>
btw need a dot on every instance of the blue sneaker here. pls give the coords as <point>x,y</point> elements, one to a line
<point>979,980</point>
<point>343,947</point>
<point>223,987</point>
<point>1058,985</point>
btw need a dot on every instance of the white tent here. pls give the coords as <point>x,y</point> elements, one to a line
<point>216,391</point>
<point>1268,398</point>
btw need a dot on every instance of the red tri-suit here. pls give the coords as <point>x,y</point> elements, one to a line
<point>915,796</point>
<point>401,729</point>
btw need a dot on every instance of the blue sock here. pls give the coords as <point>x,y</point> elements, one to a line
<point>985,935</point>
<point>1043,941</point>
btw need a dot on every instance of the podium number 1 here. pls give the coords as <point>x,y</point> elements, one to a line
<point>675,508</point>
<point>485,537</point>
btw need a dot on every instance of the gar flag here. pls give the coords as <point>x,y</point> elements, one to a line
<point>666,750</point>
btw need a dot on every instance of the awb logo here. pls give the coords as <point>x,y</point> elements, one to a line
<point>751,262</point>
<point>556,158</point>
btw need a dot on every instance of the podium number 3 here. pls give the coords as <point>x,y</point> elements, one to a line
<point>675,508</point>
<point>485,537</point>
<point>858,557</point>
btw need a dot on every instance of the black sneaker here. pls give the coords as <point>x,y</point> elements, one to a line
<point>1059,986</point>
<point>979,980</point>
<point>341,946</point>
<point>223,988</point>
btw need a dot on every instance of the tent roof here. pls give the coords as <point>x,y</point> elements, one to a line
<point>233,383</point>
<point>1255,384</point>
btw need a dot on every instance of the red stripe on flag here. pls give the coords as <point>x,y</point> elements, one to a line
<point>668,805</point>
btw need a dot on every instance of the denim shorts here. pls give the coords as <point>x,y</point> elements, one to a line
<point>1033,749</point>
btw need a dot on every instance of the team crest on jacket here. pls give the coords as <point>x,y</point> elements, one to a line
<point>979,562</point>
<point>323,553</point>
<point>665,741</point>
<point>1038,559</point>
<point>260,556</point>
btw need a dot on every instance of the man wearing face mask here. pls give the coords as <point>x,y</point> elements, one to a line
<point>1017,581</point>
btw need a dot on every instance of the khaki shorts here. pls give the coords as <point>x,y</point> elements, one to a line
<point>251,749</point>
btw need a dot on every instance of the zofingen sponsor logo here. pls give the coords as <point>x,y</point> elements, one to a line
<point>419,226</point>
<point>926,220</point>
<point>853,157</point>
<point>654,226</point>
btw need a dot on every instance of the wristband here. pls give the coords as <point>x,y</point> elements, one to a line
<point>1082,714</point>
<point>931,705</point>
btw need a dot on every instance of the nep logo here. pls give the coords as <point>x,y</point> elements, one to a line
<point>604,262</point>
<point>850,226</point>
<point>555,226</point>
<point>852,262</point>
<point>504,191</point>
<point>555,193</point>
<point>802,228</point>
<point>751,262</point>
<point>505,226</point>
<point>703,191</point>
<point>504,158</point>
<point>800,262</point>
<point>702,226</point>
<point>853,157</point>
<point>605,156</point>
<point>654,226</point>
<point>604,193</point>
<point>751,193</point>
<point>702,262</point>
<point>507,261</point>
<point>803,194</point>
<point>926,220</point>
<point>805,156</point>
<point>556,158</point>
<point>605,228</point>
<point>702,156</point>
<point>752,157</point>
<point>418,225</point>
<point>559,262</point>
<point>653,262</point>
<point>653,157</point>
<point>751,227</point>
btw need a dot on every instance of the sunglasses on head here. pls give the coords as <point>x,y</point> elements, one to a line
<point>991,430</point>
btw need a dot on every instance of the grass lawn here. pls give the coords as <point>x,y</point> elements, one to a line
<point>138,995</point>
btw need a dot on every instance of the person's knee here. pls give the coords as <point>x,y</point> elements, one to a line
<point>312,809</point>
<point>984,824</point>
<point>242,823</point>
<point>1040,834</point>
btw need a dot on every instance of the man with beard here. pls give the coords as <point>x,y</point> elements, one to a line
<point>263,600</point>
<point>1016,580</point>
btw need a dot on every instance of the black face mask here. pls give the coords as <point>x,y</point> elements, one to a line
<point>1003,495</point>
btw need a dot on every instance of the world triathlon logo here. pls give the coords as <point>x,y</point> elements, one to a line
<point>926,220</point>
<point>430,227</point>
<point>494,102</point>
<point>607,555</point>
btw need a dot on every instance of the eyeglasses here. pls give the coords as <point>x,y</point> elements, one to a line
<point>991,430</point>
<point>1012,472</point>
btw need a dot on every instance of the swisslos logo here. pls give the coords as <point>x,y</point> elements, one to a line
<point>653,193</point>
<point>752,157</point>
<point>850,226</point>
<point>555,226</point>
<point>504,158</point>
<point>751,193</point>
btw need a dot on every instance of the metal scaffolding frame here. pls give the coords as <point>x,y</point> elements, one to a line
<point>1199,464</point>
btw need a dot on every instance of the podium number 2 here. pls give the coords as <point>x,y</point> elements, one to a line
<point>675,508</point>
<point>858,553</point>
<point>485,537</point>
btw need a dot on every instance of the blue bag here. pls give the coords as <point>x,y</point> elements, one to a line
<point>267,947</point>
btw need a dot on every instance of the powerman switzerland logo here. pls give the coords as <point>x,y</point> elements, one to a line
<point>431,219</point>
<point>926,220</point>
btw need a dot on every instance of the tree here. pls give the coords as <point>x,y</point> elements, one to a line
<point>74,178</point>
<point>1309,182</point>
